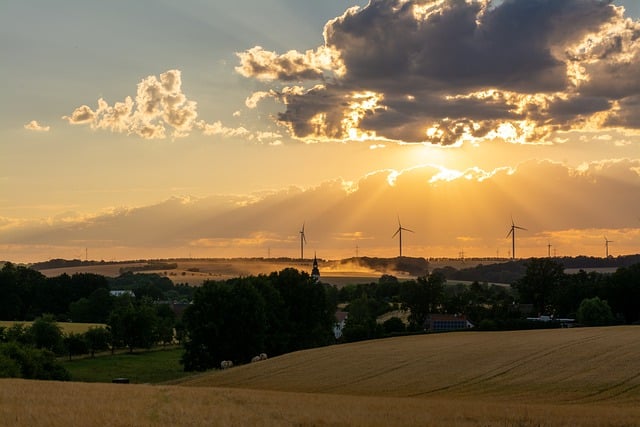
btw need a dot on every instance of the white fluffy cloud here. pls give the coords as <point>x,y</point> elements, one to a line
<point>159,105</point>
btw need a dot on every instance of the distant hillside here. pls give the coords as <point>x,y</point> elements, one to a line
<point>502,272</point>
<point>511,271</point>
<point>409,265</point>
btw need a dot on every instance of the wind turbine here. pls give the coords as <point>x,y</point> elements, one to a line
<point>399,233</point>
<point>512,233</point>
<point>606,245</point>
<point>303,240</point>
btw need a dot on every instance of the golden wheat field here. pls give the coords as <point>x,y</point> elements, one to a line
<point>67,327</point>
<point>563,377</point>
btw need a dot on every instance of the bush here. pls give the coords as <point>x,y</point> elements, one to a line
<point>594,312</point>
<point>33,363</point>
<point>8,367</point>
<point>394,325</point>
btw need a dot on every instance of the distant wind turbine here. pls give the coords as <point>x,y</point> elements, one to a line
<point>606,246</point>
<point>303,240</point>
<point>399,233</point>
<point>512,233</point>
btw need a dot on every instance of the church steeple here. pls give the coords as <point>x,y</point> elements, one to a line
<point>315,272</point>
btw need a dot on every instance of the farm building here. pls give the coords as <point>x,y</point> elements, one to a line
<point>447,322</point>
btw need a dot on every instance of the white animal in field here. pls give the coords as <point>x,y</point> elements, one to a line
<point>255,359</point>
<point>263,356</point>
<point>226,364</point>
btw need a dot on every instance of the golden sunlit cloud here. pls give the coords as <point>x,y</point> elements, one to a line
<point>160,107</point>
<point>159,103</point>
<point>291,66</point>
<point>420,79</point>
<point>33,125</point>
<point>449,211</point>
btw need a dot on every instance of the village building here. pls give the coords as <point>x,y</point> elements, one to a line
<point>447,322</point>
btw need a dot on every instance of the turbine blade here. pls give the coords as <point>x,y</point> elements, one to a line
<point>509,233</point>
<point>406,229</point>
<point>519,228</point>
<point>397,231</point>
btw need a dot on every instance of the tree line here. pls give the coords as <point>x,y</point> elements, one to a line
<point>541,289</point>
<point>82,297</point>
<point>240,318</point>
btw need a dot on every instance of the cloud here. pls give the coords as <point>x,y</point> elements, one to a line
<point>33,125</point>
<point>159,105</point>
<point>450,71</point>
<point>449,210</point>
<point>291,66</point>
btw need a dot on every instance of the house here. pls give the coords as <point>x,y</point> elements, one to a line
<point>447,322</point>
<point>119,293</point>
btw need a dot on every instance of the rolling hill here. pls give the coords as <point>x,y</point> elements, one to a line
<point>560,377</point>
<point>561,365</point>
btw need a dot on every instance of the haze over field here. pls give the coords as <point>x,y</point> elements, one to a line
<point>157,130</point>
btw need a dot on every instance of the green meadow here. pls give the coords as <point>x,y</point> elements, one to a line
<point>142,367</point>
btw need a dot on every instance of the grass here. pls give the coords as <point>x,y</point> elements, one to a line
<point>564,377</point>
<point>66,327</point>
<point>150,367</point>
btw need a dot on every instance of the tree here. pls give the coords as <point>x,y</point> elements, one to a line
<point>97,339</point>
<point>11,301</point>
<point>543,276</point>
<point>134,326</point>
<point>33,363</point>
<point>393,325</point>
<point>623,293</point>
<point>75,344</point>
<point>166,323</point>
<point>422,297</point>
<point>361,323</point>
<point>309,313</point>
<point>46,334</point>
<point>594,312</point>
<point>225,322</point>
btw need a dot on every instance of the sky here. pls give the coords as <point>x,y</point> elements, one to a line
<point>157,129</point>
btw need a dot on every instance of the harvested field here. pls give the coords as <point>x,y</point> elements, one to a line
<point>67,327</point>
<point>579,365</point>
<point>565,377</point>
<point>32,403</point>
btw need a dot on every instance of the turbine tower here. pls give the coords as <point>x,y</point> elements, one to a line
<point>303,240</point>
<point>399,233</point>
<point>512,233</point>
<point>606,246</point>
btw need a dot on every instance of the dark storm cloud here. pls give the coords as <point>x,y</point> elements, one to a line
<point>445,71</point>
